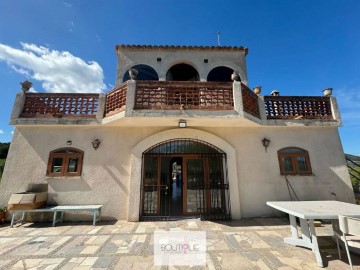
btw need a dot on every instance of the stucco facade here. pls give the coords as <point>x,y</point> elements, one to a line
<point>113,174</point>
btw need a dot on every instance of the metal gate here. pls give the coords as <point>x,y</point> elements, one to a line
<point>184,178</point>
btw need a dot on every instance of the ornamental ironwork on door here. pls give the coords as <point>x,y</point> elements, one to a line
<point>184,178</point>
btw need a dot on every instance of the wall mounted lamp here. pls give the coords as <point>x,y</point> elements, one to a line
<point>96,144</point>
<point>182,123</point>
<point>266,143</point>
<point>69,142</point>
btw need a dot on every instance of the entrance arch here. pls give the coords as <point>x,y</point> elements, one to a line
<point>189,133</point>
<point>184,177</point>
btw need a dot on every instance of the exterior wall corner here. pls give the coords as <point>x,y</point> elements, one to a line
<point>18,106</point>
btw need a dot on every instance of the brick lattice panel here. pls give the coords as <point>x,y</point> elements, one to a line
<point>60,105</point>
<point>184,95</point>
<point>116,100</point>
<point>250,101</point>
<point>288,107</point>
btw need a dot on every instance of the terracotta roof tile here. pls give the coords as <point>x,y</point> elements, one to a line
<point>217,48</point>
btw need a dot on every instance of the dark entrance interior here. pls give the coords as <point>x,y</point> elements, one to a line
<point>146,73</point>
<point>171,177</point>
<point>184,178</point>
<point>220,74</point>
<point>182,72</point>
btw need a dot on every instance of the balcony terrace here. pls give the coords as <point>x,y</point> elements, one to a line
<point>174,99</point>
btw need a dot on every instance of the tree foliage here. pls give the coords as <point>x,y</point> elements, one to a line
<point>353,163</point>
<point>4,149</point>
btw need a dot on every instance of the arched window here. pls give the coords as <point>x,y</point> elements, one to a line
<point>220,74</point>
<point>65,162</point>
<point>294,160</point>
<point>146,73</point>
<point>182,72</point>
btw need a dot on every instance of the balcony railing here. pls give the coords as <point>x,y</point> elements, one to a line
<point>183,95</point>
<point>288,107</point>
<point>171,95</point>
<point>116,100</point>
<point>60,105</point>
<point>250,101</point>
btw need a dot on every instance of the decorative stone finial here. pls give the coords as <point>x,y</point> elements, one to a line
<point>133,73</point>
<point>235,76</point>
<point>327,92</point>
<point>25,86</point>
<point>257,90</point>
<point>275,93</point>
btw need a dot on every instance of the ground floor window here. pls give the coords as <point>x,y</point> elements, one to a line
<point>65,162</point>
<point>294,160</point>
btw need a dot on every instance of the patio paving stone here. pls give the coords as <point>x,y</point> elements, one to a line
<point>245,244</point>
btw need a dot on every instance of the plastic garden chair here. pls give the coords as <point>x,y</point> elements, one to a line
<point>349,227</point>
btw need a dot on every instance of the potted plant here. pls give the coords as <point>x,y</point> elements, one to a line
<point>3,210</point>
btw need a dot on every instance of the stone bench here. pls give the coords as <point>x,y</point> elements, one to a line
<point>94,209</point>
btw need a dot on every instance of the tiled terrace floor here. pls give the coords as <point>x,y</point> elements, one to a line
<point>245,244</point>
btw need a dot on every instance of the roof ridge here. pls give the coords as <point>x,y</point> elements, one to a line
<point>182,47</point>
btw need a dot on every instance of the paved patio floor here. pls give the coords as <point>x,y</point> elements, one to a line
<point>246,244</point>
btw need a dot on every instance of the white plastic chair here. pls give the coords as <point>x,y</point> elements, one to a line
<point>348,225</point>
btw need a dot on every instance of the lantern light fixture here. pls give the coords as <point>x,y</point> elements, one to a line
<point>265,143</point>
<point>182,123</point>
<point>96,144</point>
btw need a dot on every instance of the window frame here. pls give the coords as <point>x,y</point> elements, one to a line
<point>294,163</point>
<point>65,162</point>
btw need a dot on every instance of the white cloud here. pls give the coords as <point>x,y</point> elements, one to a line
<point>20,70</point>
<point>67,4</point>
<point>59,71</point>
<point>12,132</point>
<point>1,132</point>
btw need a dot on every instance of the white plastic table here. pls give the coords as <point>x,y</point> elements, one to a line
<point>307,211</point>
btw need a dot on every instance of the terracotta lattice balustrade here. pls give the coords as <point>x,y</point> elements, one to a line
<point>170,95</point>
<point>290,107</point>
<point>116,100</point>
<point>173,95</point>
<point>60,105</point>
<point>250,101</point>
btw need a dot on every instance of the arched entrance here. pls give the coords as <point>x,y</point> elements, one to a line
<point>184,178</point>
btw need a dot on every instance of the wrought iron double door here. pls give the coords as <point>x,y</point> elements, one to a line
<point>197,188</point>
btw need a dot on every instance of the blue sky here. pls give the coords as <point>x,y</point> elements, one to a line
<point>297,47</point>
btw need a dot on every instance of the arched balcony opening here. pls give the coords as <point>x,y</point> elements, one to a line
<point>220,74</point>
<point>145,73</point>
<point>182,72</point>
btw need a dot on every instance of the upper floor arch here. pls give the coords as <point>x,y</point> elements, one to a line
<point>163,58</point>
<point>220,74</point>
<point>145,73</point>
<point>182,71</point>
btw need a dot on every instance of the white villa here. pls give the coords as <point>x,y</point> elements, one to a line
<point>180,135</point>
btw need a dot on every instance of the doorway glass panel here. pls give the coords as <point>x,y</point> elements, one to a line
<point>217,188</point>
<point>195,186</point>
<point>150,187</point>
